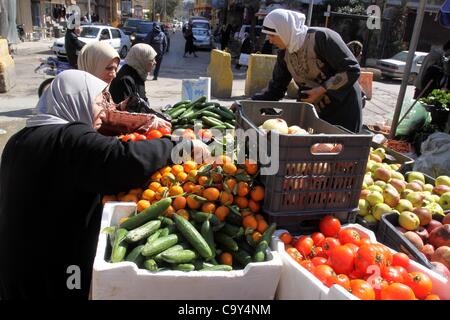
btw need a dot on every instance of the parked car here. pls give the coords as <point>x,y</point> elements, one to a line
<point>202,38</point>
<point>129,26</point>
<point>395,67</point>
<point>199,22</point>
<point>91,33</point>
<point>246,29</point>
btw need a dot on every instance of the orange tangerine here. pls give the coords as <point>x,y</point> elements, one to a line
<point>156,176</point>
<point>182,176</point>
<point>202,180</point>
<point>183,213</point>
<point>197,189</point>
<point>254,206</point>
<point>154,185</point>
<point>222,159</point>
<point>192,203</point>
<point>192,175</point>
<point>226,258</point>
<point>251,167</point>
<point>242,189</point>
<point>262,225</point>
<point>241,202</point>
<point>175,190</point>
<point>250,222</point>
<point>187,187</point>
<point>166,169</point>
<point>160,193</point>
<point>167,179</point>
<point>222,212</point>
<point>179,203</point>
<point>177,168</point>
<point>230,183</point>
<point>257,193</point>
<point>169,212</point>
<point>148,194</point>
<point>246,212</point>
<point>256,236</point>
<point>188,166</point>
<point>229,168</point>
<point>212,194</point>
<point>208,207</point>
<point>143,204</point>
<point>226,198</point>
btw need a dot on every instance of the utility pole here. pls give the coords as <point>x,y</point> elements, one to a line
<point>165,10</point>
<point>153,10</point>
<point>310,12</point>
<point>89,11</point>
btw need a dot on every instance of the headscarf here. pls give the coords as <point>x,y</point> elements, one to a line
<point>139,56</point>
<point>95,57</point>
<point>69,98</point>
<point>287,24</point>
<point>156,28</point>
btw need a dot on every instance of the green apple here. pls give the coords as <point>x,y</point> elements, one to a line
<point>376,166</point>
<point>408,220</point>
<point>435,209</point>
<point>368,180</point>
<point>369,166</point>
<point>364,207</point>
<point>380,209</point>
<point>395,166</point>
<point>428,187</point>
<point>374,198</point>
<point>396,211</point>
<point>405,193</point>
<point>444,201</point>
<point>375,188</point>
<point>397,175</point>
<point>370,218</point>
<point>442,180</point>
<point>415,175</point>
<point>380,152</point>
<point>404,205</point>
<point>416,198</point>
<point>391,196</point>
<point>380,183</point>
<point>435,198</point>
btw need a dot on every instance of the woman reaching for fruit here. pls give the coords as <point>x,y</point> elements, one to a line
<point>52,175</point>
<point>321,65</point>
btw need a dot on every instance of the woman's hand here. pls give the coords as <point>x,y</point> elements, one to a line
<point>314,94</point>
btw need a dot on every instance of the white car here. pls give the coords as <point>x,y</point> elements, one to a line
<point>91,33</point>
<point>395,66</point>
<point>202,38</point>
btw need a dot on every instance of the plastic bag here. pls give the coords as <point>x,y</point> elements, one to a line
<point>416,118</point>
<point>435,158</point>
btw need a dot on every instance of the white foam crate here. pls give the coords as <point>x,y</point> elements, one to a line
<point>123,280</point>
<point>297,283</point>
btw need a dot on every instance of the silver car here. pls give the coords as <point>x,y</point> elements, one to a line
<point>395,67</point>
<point>202,38</point>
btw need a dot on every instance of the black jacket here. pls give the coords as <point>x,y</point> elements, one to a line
<point>72,45</point>
<point>157,39</point>
<point>120,91</point>
<point>51,180</point>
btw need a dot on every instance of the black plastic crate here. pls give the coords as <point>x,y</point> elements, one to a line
<point>373,226</point>
<point>390,236</point>
<point>307,182</point>
<point>394,156</point>
<point>307,222</point>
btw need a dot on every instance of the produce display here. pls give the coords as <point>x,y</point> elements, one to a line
<point>149,135</point>
<point>194,217</point>
<point>348,258</point>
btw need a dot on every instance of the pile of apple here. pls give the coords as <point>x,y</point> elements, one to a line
<point>386,190</point>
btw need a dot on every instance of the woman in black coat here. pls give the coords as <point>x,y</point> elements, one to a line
<point>131,77</point>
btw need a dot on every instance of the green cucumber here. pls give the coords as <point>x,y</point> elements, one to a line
<point>179,256</point>
<point>212,122</point>
<point>228,111</point>
<point>147,214</point>
<point>226,241</point>
<point>207,233</point>
<point>267,235</point>
<point>193,237</point>
<point>151,265</point>
<point>120,245</point>
<point>154,236</point>
<point>159,245</point>
<point>184,267</point>
<point>233,230</point>
<point>136,256</point>
<point>181,103</point>
<point>210,114</point>
<point>219,267</point>
<point>224,115</point>
<point>234,217</point>
<point>143,231</point>
<point>228,126</point>
<point>158,257</point>
<point>260,252</point>
<point>221,127</point>
<point>177,113</point>
<point>165,222</point>
<point>218,227</point>
<point>242,257</point>
<point>200,216</point>
<point>245,246</point>
<point>164,232</point>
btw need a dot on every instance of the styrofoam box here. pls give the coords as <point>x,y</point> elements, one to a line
<point>297,283</point>
<point>123,280</point>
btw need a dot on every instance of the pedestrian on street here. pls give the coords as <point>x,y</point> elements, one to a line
<point>320,63</point>
<point>73,45</point>
<point>158,41</point>
<point>189,46</point>
<point>99,59</point>
<point>130,79</point>
<point>68,165</point>
<point>246,48</point>
<point>225,36</point>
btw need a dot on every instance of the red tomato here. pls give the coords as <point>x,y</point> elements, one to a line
<point>318,252</point>
<point>294,254</point>
<point>317,261</point>
<point>165,131</point>
<point>387,254</point>
<point>364,241</point>
<point>129,137</point>
<point>304,245</point>
<point>432,297</point>
<point>403,272</point>
<point>349,236</point>
<point>329,243</point>
<point>391,274</point>
<point>330,226</point>
<point>154,134</point>
<point>352,246</point>
<point>378,284</point>
<point>308,265</point>
<point>189,134</point>
<point>400,259</point>
<point>369,255</point>
<point>342,259</point>
<point>140,137</point>
<point>205,134</point>
<point>340,279</point>
<point>356,275</point>
<point>397,291</point>
<point>286,237</point>
<point>361,289</point>
<point>323,272</point>
<point>318,238</point>
<point>420,283</point>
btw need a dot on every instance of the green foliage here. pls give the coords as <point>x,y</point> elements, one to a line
<point>438,98</point>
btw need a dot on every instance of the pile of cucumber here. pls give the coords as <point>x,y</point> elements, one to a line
<point>156,243</point>
<point>184,114</point>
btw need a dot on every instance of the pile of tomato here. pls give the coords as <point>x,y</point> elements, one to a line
<point>149,135</point>
<point>347,257</point>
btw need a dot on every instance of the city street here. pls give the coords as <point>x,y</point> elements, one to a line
<point>18,104</point>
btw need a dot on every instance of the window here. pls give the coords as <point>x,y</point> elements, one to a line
<point>105,35</point>
<point>420,60</point>
<point>89,32</point>
<point>115,33</point>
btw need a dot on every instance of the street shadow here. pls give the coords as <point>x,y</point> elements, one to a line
<point>23,113</point>
<point>49,52</point>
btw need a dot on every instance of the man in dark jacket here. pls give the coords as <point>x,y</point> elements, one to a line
<point>73,45</point>
<point>157,39</point>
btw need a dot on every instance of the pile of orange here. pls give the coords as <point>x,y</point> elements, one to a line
<point>212,188</point>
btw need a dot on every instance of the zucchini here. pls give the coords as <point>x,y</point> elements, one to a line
<point>177,113</point>
<point>219,267</point>
<point>228,111</point>
<point>120,246</point>
<point>224,115</point>
<point>242,257</point>
<point>154,236</point>
<point>147,214</point>
<point>151,265</point>
<point>181,103</point>
<point>193,237</point>
<point>143,231</point>
<point>211,114</point>
<point>226,241</point>
<point>159,245</point>
<point>200,216</point>
<point>212,122</point>
<point>207,233</point>
<point>233,230</point>
<point>179,256</point>
<point>184,267</point>
<point>136,256</point>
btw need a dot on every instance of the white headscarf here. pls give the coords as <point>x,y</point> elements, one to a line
<point>69,98</point>
<point>287,24</point>
<point>95,57</point>
<point>138,58</point>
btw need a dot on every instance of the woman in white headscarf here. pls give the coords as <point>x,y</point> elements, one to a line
<point>52,174</point>
<point>99,59</point>
<point>139,61</point>
<point>320,63</point>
